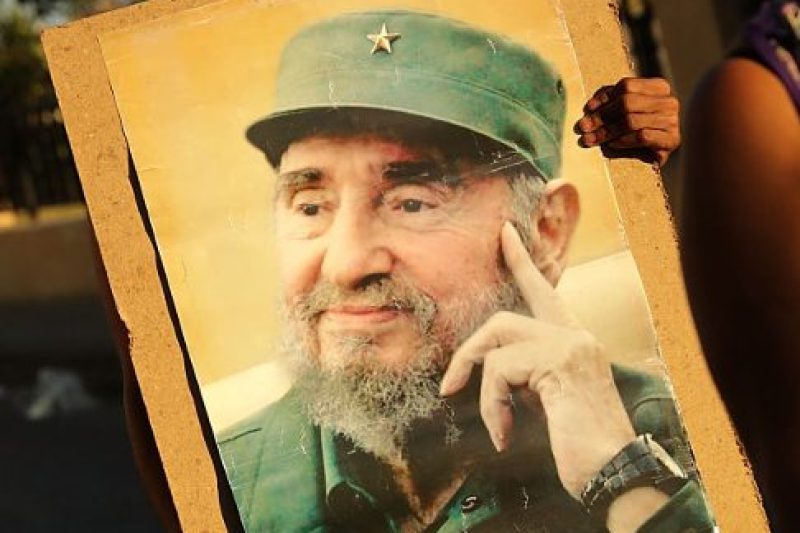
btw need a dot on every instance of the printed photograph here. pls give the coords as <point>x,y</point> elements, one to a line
<point>403,285</point>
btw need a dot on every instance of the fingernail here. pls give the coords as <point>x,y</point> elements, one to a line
<point>511,230</point>
<point>592,104</point>
<point>589,139</point>
<point>444,387</point>
<point>585,124</point>
<point>499,441</point>
<point>508,227</point>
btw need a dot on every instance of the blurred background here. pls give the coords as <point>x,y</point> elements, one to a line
<point>65,462</point>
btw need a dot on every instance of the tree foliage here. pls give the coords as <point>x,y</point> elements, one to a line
<point>23,74</point>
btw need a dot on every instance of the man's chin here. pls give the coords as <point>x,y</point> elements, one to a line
<point>374,405</point>
<point>378,389</point>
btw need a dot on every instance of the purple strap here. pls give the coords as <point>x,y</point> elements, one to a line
<point>774,34</point>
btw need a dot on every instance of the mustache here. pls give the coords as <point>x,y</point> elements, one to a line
<point>386,293</point>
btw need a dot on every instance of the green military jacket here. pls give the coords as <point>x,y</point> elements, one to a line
<point>288,475</point>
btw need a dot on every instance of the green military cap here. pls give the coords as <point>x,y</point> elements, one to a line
<point>422,65</point>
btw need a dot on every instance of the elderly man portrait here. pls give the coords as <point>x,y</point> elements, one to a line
<point>439,381</point>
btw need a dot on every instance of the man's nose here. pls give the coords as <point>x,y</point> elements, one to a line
<point>356,250</point>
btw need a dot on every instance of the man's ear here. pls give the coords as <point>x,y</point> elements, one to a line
<point>552,225</point>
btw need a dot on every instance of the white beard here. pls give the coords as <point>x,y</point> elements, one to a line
<point>363,399</point>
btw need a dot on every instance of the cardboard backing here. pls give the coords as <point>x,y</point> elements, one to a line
<point>151,344</point>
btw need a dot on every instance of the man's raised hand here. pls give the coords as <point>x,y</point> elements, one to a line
<point>549,357</point>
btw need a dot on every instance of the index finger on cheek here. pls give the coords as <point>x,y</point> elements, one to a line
<point>537,291</point>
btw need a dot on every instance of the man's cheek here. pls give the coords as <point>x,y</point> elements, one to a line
<point>450,258</point>
<point>444,273</point>
<point>299,265</point>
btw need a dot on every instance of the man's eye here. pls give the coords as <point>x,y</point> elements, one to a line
<point>309,210</point>
<point>411,206</point>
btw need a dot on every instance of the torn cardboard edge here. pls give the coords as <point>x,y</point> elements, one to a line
<point>197,486</point>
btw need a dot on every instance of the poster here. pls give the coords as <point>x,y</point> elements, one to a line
<point>346,198</point>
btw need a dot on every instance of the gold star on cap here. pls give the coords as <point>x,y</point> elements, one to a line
<point>383,40</point>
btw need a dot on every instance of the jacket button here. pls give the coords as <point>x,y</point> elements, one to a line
<point>470,503</point>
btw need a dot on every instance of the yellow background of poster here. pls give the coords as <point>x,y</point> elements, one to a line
<point>188,85</point>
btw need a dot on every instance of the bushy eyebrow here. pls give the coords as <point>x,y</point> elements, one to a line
<point>419,172</point>
<point>296,179</point>
<point>396,173</point>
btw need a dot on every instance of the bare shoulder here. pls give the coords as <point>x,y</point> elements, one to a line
<point>741,189</point>
<point>741,75</point>
<point>742,112</point>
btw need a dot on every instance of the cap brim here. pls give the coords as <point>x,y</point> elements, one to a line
<point>273,134</point>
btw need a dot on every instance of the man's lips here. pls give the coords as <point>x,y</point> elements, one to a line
<point>361,314</point>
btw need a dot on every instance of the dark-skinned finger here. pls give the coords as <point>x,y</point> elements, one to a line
<point>630,124</point>
<point>652,139</point>
<point>603,134</point>
<point>588,123</point>
<point>628,104</point>
<point>645,86</point>
<point>654,121</point>
<point>648,86</point>
<point>656,87</point>
<point>600,97</point>
<point>662,156</point>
